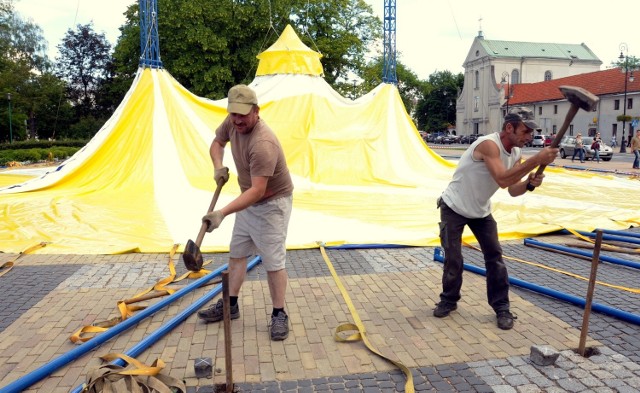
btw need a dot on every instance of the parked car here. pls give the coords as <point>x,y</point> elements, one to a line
<point>547,140</point>
<point>567,146</point>
<point>449,139</point>
<point>472,138</point>
<point>538,140</point>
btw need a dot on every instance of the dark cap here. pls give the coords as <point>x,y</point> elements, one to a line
<point>522,114</point>
<point>241,99</point>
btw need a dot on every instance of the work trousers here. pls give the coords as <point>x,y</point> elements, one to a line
<point>486,232</point>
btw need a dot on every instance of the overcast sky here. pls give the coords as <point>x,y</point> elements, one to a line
<point>431,35</point>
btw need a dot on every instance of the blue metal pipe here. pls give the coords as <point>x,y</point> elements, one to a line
<point>621,233</point>
<point>604,258</point>
<point>174,322</point>
<point>31,378</point>
<point>625,238</point>
<point>438,255</point>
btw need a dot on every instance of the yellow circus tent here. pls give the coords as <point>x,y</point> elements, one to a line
<point>362,174</point>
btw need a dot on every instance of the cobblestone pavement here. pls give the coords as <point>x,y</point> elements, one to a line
<point>48,297</point>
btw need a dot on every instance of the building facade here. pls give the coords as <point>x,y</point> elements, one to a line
<point>500,74</point>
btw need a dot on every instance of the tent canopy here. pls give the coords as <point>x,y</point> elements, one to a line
<point>362,174</point>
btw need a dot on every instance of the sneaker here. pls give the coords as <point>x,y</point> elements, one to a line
<point>443,309</point>
<point>214,313</point>
<point>279,327</point>
<point>505,320</point>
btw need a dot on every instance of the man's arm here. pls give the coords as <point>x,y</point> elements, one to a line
<point>217,154</point>
<point>489,152</point>
<point>252,195</point>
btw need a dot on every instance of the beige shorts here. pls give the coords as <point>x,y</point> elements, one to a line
<point>262,230</point>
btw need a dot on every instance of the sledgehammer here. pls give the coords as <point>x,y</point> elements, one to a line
<point>192,256</point>
<point>579,99</point>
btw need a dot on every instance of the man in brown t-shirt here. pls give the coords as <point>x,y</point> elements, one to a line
<point>262,209</point>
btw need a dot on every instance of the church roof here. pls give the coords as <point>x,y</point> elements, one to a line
<point>518,49</point>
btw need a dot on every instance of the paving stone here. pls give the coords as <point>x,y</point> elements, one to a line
<point>407,280</point>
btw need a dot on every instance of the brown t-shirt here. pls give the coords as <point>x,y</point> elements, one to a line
<point>257,153</point>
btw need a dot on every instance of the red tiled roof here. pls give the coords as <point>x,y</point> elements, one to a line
<point>610,81</point>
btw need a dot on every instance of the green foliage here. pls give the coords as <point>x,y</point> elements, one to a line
<point>36,154</point>
<point>631,63</point>
<point>85,128</point>
<point>436,110</point>
<point>43,144</point>
<point>410,87</point>
<point>210,46</point>
<point>21,40</point>
<point>83,64</point>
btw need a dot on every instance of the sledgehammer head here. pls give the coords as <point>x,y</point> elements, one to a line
<point>192,257</point>
<point>580,97</point>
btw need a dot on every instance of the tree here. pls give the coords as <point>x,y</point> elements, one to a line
<point>341,30</point>
<point>23,64</point>
<point>83,64</point>
<point>210,46</point>
<point>410,87</point>
<point>436,110</point>
<point>631,63</point>
<point>21,40</point>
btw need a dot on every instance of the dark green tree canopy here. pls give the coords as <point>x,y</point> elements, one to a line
<point>436,110</point>
<point>210,46</point>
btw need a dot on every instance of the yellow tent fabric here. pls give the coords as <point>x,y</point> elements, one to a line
<point>288,55</point>
<point>362,175</point>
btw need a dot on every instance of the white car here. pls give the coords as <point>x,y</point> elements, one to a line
<point>538,140</point>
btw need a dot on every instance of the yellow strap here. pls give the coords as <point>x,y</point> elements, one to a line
<point>358,328</point>
<point>139,367</point>
<point>126,307</point>
<point>7,266</point>
<point>604,284</point>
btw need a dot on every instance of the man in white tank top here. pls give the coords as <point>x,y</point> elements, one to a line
<point>491,162</point>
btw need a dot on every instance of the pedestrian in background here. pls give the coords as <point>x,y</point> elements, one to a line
<point>635,148</point>
<point>491,162</point>
<point>262,209</point>
<point>595,146</point>
<point>578,148</point>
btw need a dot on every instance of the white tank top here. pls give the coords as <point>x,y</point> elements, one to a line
<point>470,191</point>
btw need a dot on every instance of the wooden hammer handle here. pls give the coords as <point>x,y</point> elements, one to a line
<point>556,141</point>
<point>203,227</point>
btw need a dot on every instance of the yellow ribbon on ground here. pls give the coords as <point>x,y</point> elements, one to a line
<point>358,328</point>
<point>7,266</point>
<point>136,377</point>
<point>126,307</point>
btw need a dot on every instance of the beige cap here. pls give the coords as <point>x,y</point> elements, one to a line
<point>241,99</point>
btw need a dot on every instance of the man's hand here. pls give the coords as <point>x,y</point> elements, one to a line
<point>548,155</point>
<point>221,175</point>
<point>213,220</point>
<point>535,180</point>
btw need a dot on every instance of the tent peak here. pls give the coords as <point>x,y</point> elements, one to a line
<point>289,55</point>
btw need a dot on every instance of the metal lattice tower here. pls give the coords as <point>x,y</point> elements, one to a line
<point>149,38</point>
<point>389,70</point>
